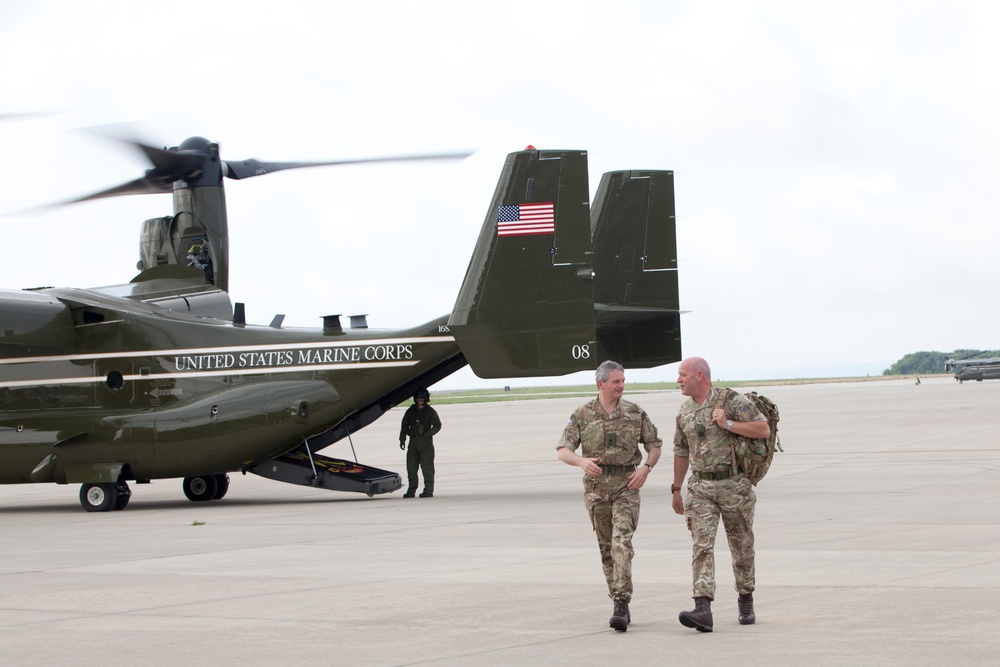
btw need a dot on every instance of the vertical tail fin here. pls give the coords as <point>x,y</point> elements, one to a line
<point>524,307</point>
<point>527,306</point>
<point>636,299</point>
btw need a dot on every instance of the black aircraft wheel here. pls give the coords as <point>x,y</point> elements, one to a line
<point>98,497</point>
<point>124,495</point>
<point>223,482</point>
<point>201,488</point>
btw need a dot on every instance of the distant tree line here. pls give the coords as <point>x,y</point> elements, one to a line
<point>916,363</point>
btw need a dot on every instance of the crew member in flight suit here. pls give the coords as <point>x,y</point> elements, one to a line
<point>420,423</point>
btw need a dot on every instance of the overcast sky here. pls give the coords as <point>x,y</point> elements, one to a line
<point>836,164</point>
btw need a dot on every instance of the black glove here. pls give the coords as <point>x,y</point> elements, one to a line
<point>402,444</point>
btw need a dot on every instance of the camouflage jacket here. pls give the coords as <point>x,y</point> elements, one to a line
<point>701,440</point>
<point>615,437</point>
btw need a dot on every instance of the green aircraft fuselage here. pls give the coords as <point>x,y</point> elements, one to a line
<point>233,396</point>
<point>164,378</point>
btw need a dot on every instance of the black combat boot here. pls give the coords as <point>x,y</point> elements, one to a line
<point>621,617</point>
<point>700,618</point>
<point>427,494</point>
<point>745,604</point>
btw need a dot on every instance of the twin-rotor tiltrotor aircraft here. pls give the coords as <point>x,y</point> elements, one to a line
<point>163,377</point>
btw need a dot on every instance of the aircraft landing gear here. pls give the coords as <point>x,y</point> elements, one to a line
<point>223,482</point>
<point>105,497</point>
<point>124,495</point>
<point>206,487</point>
<point>200,488</point>
<point>98,497</point>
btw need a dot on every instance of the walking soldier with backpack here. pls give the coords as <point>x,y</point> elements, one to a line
<point>707,426</point>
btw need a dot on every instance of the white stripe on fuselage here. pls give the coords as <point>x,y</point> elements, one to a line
<point>355,360</point>
<point>175,352</point>
<point>207,374</point>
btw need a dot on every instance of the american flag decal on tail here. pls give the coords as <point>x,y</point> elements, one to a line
<point>524,219</point>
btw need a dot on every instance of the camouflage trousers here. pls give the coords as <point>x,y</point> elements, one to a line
<point>733,500</point>
<point>614,513</point>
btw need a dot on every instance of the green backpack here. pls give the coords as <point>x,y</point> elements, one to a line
<point>753,457</point>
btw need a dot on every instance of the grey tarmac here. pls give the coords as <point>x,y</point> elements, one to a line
<point>878,543</point>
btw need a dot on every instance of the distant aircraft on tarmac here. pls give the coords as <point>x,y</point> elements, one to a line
<point>974,369</point>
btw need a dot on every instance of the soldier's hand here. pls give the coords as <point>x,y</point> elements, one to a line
<point>590,467</point>
<point>402,444</point>
<point>638,478</point>
<point>678,503</point>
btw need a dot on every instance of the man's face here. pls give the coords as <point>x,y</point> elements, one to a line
<point>419,400</point>
<point>686,379</point>
<point>612,389</point>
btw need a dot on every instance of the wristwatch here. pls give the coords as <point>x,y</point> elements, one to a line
<point>674,489</point>
<point>729,424</point>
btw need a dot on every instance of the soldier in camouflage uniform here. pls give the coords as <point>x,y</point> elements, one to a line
<point>701,441</point>
<point>609,430</point>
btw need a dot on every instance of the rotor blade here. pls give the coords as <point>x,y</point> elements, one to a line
<point>168,166</point>
<point>252,167</point>
<point>174,164</point>
<point>140,186</point>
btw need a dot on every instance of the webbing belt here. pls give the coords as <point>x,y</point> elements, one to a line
<point>715,476</point>
<point>617,470</point>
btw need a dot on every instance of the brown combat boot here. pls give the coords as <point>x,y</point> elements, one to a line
<point>621,617</point>
<point>745,604</point>
<point>700,618</point>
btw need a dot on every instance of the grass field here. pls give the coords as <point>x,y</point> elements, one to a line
<point>446,397</point>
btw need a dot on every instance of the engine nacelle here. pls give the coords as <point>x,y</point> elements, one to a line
<point>33,323</point>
